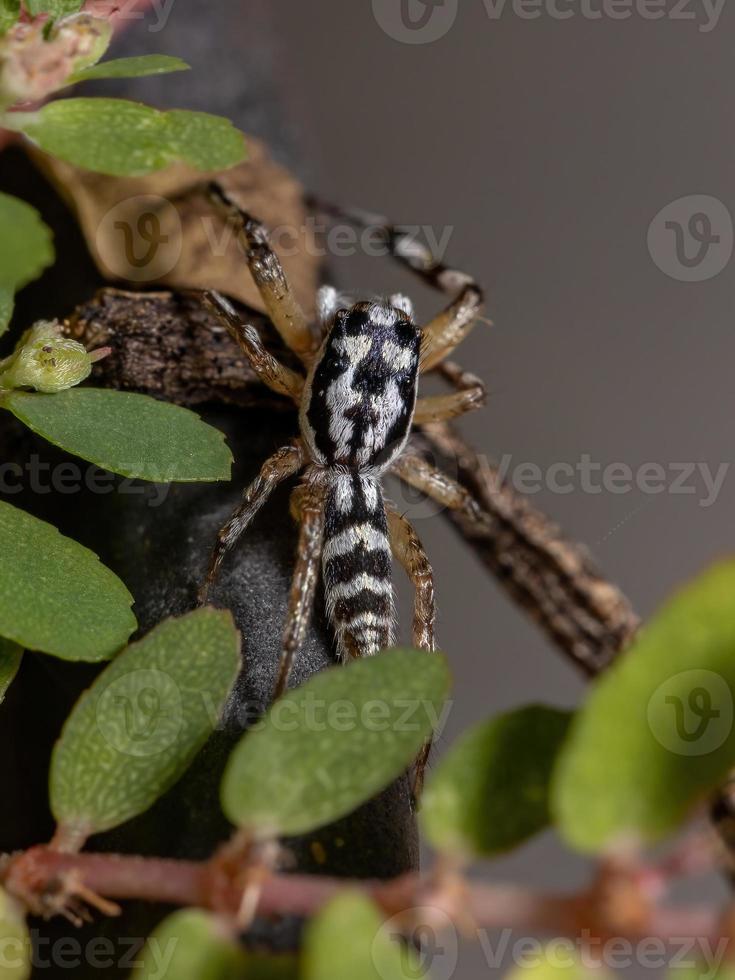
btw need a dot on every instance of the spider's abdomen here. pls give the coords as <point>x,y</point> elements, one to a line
<point>361,392</point>
<point>356,564</point>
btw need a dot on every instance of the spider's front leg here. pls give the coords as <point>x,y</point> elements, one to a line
<point>471,394</point>
<point>278,298</point>
<point>452,325</point>
<point>269,369</point>
<point>283,464</point>
<point>409,552</point>
<point>307,503</point>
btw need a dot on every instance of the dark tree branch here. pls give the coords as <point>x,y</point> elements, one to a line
<point>553,579</point>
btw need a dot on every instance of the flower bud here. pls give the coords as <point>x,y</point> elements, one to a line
<point>34,63</point>
<point>45,361</point>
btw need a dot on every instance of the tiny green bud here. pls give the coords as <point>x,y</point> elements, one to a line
<point>46,361</point>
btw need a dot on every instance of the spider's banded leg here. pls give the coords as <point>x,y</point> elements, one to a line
<point>310,507</point>
<point>471,393</point>
<point>280,302</point>
<point>408,551</point>
<point>269,369</point>
<point>439,487</point>
<point>281,465</point>
<point>450,327</point>
<point>444,490</point>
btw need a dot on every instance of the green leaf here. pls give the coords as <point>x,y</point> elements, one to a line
<point>349,939</point>
<point>555,961</point>
<point>490,792</point>
<point>133,734</point>
<point>25,243</point>
<point>9,14</point>
<point>10,657</point>
<point>334,742</point>
<point>126,433</point>
<point>56,8</point>
<point>55,595</point>
<point>7,302</point>
<point>190,945</point>
<point>15,943</point>
<point>121,138</point>
<point>145,64</point>
<point>702,970</point>
<point>656,734</point>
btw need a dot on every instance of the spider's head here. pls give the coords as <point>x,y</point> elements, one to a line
<point>330,302</point>
<point>361,388</point>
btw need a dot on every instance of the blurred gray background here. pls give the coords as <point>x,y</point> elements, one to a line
<point>547,147</point>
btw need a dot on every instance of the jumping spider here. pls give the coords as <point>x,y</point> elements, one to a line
<point>357,403</point>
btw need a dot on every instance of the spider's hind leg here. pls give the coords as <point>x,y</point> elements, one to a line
<point>281,465</point>
<point>450,327</point>
<point>409,552</point>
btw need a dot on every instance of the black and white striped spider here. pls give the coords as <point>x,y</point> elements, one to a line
<point>357,402</point>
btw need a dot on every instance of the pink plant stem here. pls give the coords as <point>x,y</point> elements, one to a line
<point>42,870</point>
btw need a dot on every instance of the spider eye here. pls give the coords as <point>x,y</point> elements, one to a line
<point>405,331</point>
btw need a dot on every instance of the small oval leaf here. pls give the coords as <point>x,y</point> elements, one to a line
<point>135,67</point>
<point>656,734</point>
<point>7,301</point>
<point>126,433</point>
<point>490,792</point>
<point>26,252</point>
<point>56,8</point>
<point>555,961</point>
<point>121,138</point>
<point>15,942</point>
<point>55,595</point>
<point>10,657</point>
<point>349,939</point>
<point>190,945</point>
<point>133,734</point>
<point>334,742</point>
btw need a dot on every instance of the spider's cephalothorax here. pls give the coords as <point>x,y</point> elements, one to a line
<point>357,400</point>
<point>355,418</point>
<point>361,390</point>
